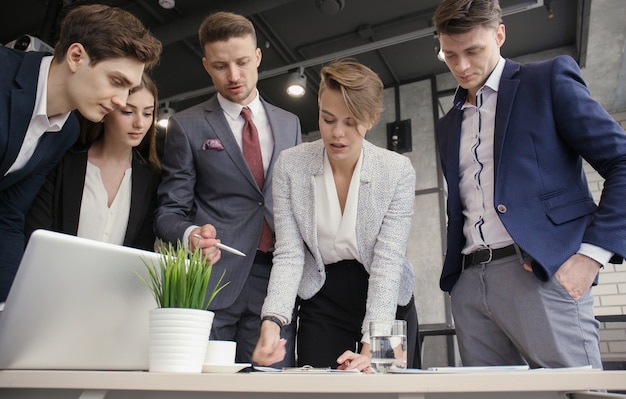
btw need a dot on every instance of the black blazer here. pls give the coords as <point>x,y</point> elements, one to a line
<point>57,206</point>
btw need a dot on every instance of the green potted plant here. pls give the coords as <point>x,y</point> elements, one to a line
<point>181,279</point>
<point>181,324</point>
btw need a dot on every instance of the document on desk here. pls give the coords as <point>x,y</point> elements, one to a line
<point>479,369</point>
<point>468,369</point>
<point>305,370</point>
<point>589,367</point>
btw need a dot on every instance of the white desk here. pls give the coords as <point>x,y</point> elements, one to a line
<point>541,384</point>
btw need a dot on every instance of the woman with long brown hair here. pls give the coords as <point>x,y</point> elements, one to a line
<point>104,188</point>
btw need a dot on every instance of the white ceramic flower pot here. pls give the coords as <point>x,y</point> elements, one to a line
<point>178,339</point>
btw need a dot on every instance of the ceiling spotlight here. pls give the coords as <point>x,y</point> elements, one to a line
<point>164,115</point>
<point>441,56</point>
<point>296,85</point>
<point>330,7</point>
<point>168,4</point>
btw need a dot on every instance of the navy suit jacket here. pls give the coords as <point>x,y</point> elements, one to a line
<point>546,123</point>
<point>57,206</point>
<point>213,184</point>
<point>18,89</point>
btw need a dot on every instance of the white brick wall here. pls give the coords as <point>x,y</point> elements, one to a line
<point>610,293</point>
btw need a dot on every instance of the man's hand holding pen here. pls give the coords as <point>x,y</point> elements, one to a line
<point>205,238</point>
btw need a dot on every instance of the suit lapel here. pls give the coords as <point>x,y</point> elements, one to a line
<point>217,121</point>
<point>368,166</point>
<point>283,138</point>
<point>73,172</point>
<point>314,166</point>
<point>453,125</point>
<point>506,97</point>
<point>47,145</point>
<point>139,184</point>
<point>22,99</point>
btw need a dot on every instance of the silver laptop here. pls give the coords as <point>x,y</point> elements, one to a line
<point>77,304</point>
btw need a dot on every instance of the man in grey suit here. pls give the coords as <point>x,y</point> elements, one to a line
<point>209,190</point>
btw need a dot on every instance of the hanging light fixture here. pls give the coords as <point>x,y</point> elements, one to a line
<point>167,4</point>
<point>296,84</point>
<point>164,115</point>
<point>330,7</point>
<point>548,5</point>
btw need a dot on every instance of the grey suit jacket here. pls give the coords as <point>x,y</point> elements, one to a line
<point>384,218</point>
<point>213,184</point>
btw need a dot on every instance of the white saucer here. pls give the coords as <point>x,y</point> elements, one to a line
<point>224,368</point>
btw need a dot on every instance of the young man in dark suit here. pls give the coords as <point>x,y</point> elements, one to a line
<point>100,55</point>
<point>211,189</point>
<point>525,238</point>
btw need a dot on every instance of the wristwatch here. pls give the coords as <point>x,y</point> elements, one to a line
<point>273,318</point>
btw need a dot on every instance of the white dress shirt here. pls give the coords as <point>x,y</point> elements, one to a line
<point>97,220</point>
<point>336,231</point>
<point>39,121</point>
<point>232,112</point>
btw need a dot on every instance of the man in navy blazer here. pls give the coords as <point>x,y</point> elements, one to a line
<point>208,190</point>
<point>38,93</point>
<point>525,239</point>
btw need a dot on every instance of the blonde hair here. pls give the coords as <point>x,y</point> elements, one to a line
<point>361,88</point>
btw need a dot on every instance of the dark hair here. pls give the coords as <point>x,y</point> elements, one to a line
<point>107,32</point>
<point>221,26</point>
<point>461,16</point>
<point>147,147</point>
<point>90,131</point>
<point>361,88</point>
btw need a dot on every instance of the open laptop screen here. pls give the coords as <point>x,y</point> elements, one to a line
<point>77,304</point>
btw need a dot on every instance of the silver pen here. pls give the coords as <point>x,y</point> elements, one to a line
<point>223,246</point>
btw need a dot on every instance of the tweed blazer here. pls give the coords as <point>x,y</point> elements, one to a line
<point>57,206</point>
<point>384,219</point>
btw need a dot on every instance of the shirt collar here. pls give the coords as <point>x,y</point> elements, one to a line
<point>41,105</point>
<point>493,82</point>
<point>233,109</point>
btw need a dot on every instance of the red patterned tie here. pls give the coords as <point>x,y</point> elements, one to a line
<point>252,153</point>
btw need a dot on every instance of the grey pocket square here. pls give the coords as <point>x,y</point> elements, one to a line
<point>212,144</point>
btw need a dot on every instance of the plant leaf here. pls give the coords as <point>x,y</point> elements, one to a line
<point>180,279</point>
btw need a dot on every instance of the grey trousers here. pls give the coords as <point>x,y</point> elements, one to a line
<point>241,322</point>
<point>504,315</point>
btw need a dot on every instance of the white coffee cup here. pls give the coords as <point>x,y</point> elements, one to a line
<point>220,352</point>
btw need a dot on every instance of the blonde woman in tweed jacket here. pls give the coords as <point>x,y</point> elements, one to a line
<point>343,210</point>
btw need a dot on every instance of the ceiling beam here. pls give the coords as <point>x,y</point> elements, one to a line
<point>375,45</point>
<point>187,27</point>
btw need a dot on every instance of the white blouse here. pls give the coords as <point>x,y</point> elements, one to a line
<point>97,221</point>
<point>336,233</point>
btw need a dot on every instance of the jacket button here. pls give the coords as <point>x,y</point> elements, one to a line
<point>501,208</point>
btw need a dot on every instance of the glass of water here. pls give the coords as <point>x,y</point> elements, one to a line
<point>388,346</point>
